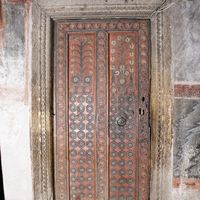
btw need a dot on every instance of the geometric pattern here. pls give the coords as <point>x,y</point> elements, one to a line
<point>102,137</point>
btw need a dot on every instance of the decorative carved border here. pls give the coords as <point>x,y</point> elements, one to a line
<point>42,98</point>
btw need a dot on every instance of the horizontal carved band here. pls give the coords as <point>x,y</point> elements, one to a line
<point>189,183</point>
<point>187,90</point>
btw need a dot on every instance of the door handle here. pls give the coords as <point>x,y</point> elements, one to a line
<point>121,121</point>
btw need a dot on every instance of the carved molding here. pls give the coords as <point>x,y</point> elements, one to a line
<point>89,10</point>
<point>42,87</point>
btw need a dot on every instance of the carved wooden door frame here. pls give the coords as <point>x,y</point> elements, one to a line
<point>43,16</point>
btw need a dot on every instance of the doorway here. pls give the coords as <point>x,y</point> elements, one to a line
<point>101,104</point>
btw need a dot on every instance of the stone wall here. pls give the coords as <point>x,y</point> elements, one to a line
<point>15,96</point>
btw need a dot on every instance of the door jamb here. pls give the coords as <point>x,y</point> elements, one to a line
<point>41,85</point>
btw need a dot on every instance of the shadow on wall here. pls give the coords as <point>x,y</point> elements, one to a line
<point>1,182</point>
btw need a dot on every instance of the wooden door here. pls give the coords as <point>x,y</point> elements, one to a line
<point>101,92</point>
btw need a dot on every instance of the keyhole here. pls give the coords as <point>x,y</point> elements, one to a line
<point>141,111</point>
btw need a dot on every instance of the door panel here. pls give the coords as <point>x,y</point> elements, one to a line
<point>101,92</point>
<point>123,106</point>
<point>82,114</point>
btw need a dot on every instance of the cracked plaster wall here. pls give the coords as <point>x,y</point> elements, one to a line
<point>185,17</point>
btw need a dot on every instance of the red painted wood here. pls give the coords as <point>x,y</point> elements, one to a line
<point>82,112</point>
<point>123,106</point>
<point>102,139</point>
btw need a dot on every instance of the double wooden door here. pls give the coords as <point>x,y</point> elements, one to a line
<point>101,95</point>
